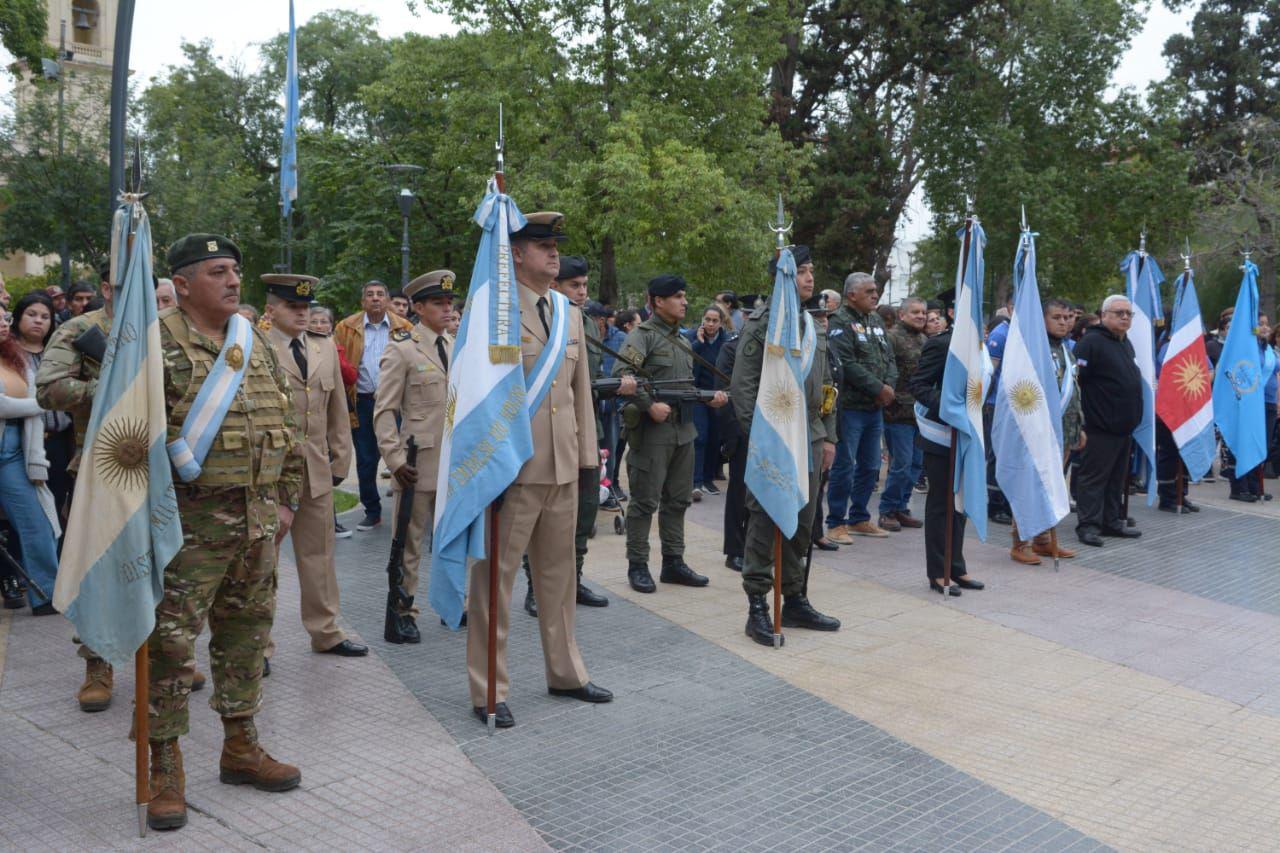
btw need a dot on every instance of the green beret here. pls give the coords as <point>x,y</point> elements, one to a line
<point>666,285</point>
<point>200,247</point>
<point>571,266</point>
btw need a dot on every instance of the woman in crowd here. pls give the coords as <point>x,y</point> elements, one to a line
<point>706,341</point>
<point>32,327</point>
<point>24,470</point>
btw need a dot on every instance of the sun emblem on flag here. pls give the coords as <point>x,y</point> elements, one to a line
<point>120,453</point>
<point>781,402</point>
<point>449,406</point>
<point>974,393</point>
<point>1025,397</point>
<point>1192,378</point>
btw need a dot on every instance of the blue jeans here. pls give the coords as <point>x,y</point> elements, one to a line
<point>706,447</point>
<point>18,497</point>
<point>366,446</point>
<point>856,468</point>
<point>905,462</point>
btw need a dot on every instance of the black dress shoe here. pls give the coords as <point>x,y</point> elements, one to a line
<point>409,630</point>
<point>589,598</point>
<point>734,563</point>
<point>530,604</point>
<point>797,612</point>
<point>586,693</point>
<point>967,583</point>
<point>759,625</point>
<point>1244,497</point>
<point>1121,532</point>
<point>676,571</point>
<point>501,715</point>
<point>1089,537</point>
<point>46,609</point>
<point>825,545</point>
<point>710,488</point>
<point>952,590</point>
<point>347,649</point>
<point>640,579</point>
<point>1188,506</point>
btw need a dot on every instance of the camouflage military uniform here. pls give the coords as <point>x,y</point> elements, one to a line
<point>757,571</point>
<point>226,568</point>
<point>659,455</point>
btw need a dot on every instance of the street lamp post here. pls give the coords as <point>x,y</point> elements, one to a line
<point>407,174</point>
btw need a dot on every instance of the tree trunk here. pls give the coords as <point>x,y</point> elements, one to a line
<point>1267,265</point>
<point>608,273</point>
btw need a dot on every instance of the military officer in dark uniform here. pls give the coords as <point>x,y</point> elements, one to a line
<point>660,437</point>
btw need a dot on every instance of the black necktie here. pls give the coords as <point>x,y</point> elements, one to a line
<point>542,315</point>
<point>444,359</point>
<point>299,356</point>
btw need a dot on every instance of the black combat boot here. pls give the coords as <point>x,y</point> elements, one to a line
<point>759,625</point>
<point>586,597</point>
<point>797,612</point>
<point>639,578</point>
<point>675,570</point>
<point>530,605</point>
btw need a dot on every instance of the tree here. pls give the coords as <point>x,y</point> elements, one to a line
<point>22,32</point>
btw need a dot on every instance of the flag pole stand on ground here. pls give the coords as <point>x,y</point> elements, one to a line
<point>142,742</point>
<point>949,538</point>
<point>777,587</point>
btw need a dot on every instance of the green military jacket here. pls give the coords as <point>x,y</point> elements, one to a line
<point>865,354</point>
<point>906,346</point>
<point>67,379</point>
<point>746,379</point>
<point>595,365</point>
<point>1073,415</point>
<point>655,350</point>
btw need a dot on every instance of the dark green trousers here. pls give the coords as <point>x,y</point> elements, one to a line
<point>661,481</point>
<point>757,570</point>
<point>588,506</point>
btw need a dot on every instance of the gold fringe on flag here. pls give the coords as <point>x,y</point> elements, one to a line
<point>504,354</point>
<point>775,349</point>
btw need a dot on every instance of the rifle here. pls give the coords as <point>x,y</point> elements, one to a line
<point>395,626</point>
<point>658,388</point>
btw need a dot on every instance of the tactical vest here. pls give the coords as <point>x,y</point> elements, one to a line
<point>89,370</point>
<point>253,441</point>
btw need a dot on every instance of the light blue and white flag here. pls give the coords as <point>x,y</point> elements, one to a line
<point>487,435</point>
<point>1142,285</point>
<point>778,449</point>
<point>1239,383</point>
<point>1027,431</point>
<point>124,526</point>
<point>289,145</point>
<point>965,379</point>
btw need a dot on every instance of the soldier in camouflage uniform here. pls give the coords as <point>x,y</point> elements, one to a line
<point>905,459</point>
<point>820,398</point>
<point>660,439</point>
<point>66,382</point>
<point>572,282</point>
<point>247,489</point>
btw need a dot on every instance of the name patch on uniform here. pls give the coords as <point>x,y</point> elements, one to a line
<point>879,331</point>
<point>862,337</point>
<point>424,367</point>
<point>526,339</point>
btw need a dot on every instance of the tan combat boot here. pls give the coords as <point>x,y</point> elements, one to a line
<point>168,806</point>
<point>95,693</point>
<point>244,762</point>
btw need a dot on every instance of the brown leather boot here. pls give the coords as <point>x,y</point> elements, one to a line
<point>95,693</point>
<point>168,806</point>
<point>244,762</point>
<point>197,681</point>
<point>1043,546</point>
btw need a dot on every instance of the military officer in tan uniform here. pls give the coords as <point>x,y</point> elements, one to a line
<point>320,406</point>
<point>413,380</point>
<point>539,511</point>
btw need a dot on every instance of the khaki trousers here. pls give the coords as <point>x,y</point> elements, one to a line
<point>421,522</point>
<point>537,520</point>
<point>312,536</point>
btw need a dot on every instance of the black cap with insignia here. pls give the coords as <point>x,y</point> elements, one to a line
<point>666,285</point>
<point>595,309</point>
<point>542,225</point>
<point>801,254</point>
<point>436,283</point>
<point>200,247</point>
<point>571,266</point>
<point>291,287</point>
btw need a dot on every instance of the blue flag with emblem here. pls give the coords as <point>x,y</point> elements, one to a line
<point>487,435</point>
<point>1142,285</point>
<point>777,470</point>
<point>965,379</point>
<point>289,145</point>
<point>124,526</point>
<point>1239,382</point>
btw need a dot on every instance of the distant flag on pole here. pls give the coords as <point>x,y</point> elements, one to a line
<point>965,379</point>
<point>289,147</point>
<point>1142,286</point>
<point>124,526</point>
<point>1184,395</point>
<point>1027,431</point>
<point>1238,405</point>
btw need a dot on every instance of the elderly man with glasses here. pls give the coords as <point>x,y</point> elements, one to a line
<point>1111,392</point>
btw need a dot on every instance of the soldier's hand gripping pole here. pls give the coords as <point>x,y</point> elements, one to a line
<point>399,603</point>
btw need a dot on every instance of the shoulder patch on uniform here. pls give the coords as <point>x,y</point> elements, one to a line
<point>835,333</point>
<point>633,355</point>
<point>401,335</point>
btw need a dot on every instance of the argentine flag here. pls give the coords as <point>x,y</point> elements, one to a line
<point>1027,431</point>
<point>1142,286</point>
<point>124,526</point>
<point>1238,405</point>
<point>965,378</point>
<point>778,449</point>
<point>1184,395</point>
<point>487,437</point>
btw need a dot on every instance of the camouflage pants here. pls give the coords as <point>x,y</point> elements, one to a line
<point>226,571</point>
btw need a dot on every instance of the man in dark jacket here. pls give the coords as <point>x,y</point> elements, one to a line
<point>1111,390</point>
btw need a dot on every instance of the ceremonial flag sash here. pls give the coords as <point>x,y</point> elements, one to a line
<point>200,428</point>
<point>538,380</point>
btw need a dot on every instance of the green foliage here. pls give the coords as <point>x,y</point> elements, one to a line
<point>21,285</point>
<point>22,31</point>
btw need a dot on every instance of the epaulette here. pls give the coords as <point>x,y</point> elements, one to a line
<point>399,335</point>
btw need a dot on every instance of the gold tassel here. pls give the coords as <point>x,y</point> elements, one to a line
<point>775,350</point>
<point>504,354</point>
